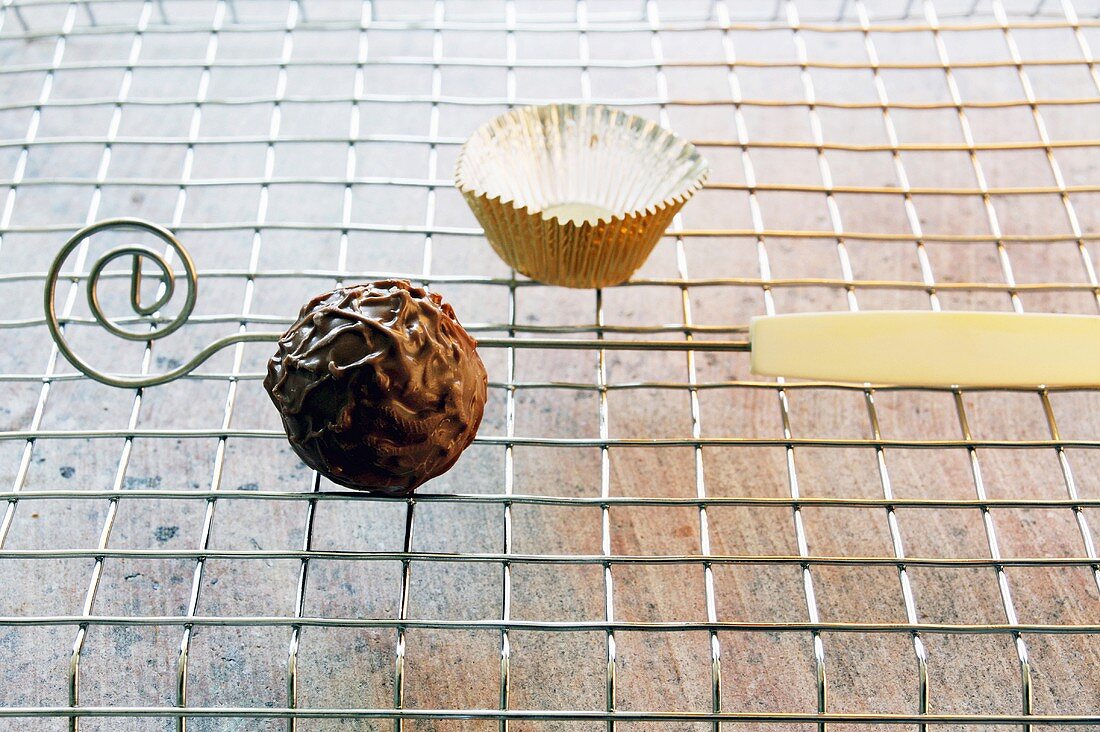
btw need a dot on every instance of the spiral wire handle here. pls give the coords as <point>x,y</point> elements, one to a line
<point>168,278</point>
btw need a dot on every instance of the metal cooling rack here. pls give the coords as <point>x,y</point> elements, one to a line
<point>642,533</point>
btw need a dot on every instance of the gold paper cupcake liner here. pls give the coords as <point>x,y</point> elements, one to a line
<point>576,195</point>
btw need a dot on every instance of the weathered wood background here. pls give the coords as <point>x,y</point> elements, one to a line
<point>132,665</point>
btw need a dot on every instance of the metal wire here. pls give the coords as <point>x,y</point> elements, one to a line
<point>45,44</point>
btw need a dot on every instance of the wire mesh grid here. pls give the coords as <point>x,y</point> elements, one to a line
<point>643,535</point>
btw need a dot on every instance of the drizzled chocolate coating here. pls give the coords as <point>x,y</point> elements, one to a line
<point>378,385</point>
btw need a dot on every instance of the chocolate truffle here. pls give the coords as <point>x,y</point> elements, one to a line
<point>378,385</point>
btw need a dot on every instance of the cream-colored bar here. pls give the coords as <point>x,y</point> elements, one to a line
<point>930,348</point>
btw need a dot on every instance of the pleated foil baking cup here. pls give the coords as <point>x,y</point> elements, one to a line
<point>576,195</point>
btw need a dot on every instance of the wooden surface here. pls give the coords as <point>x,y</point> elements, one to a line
<point>772,671</point>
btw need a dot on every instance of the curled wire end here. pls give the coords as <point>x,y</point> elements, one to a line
<point>151,329</point>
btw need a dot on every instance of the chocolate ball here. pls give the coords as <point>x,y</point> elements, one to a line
<point>378,385</point>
